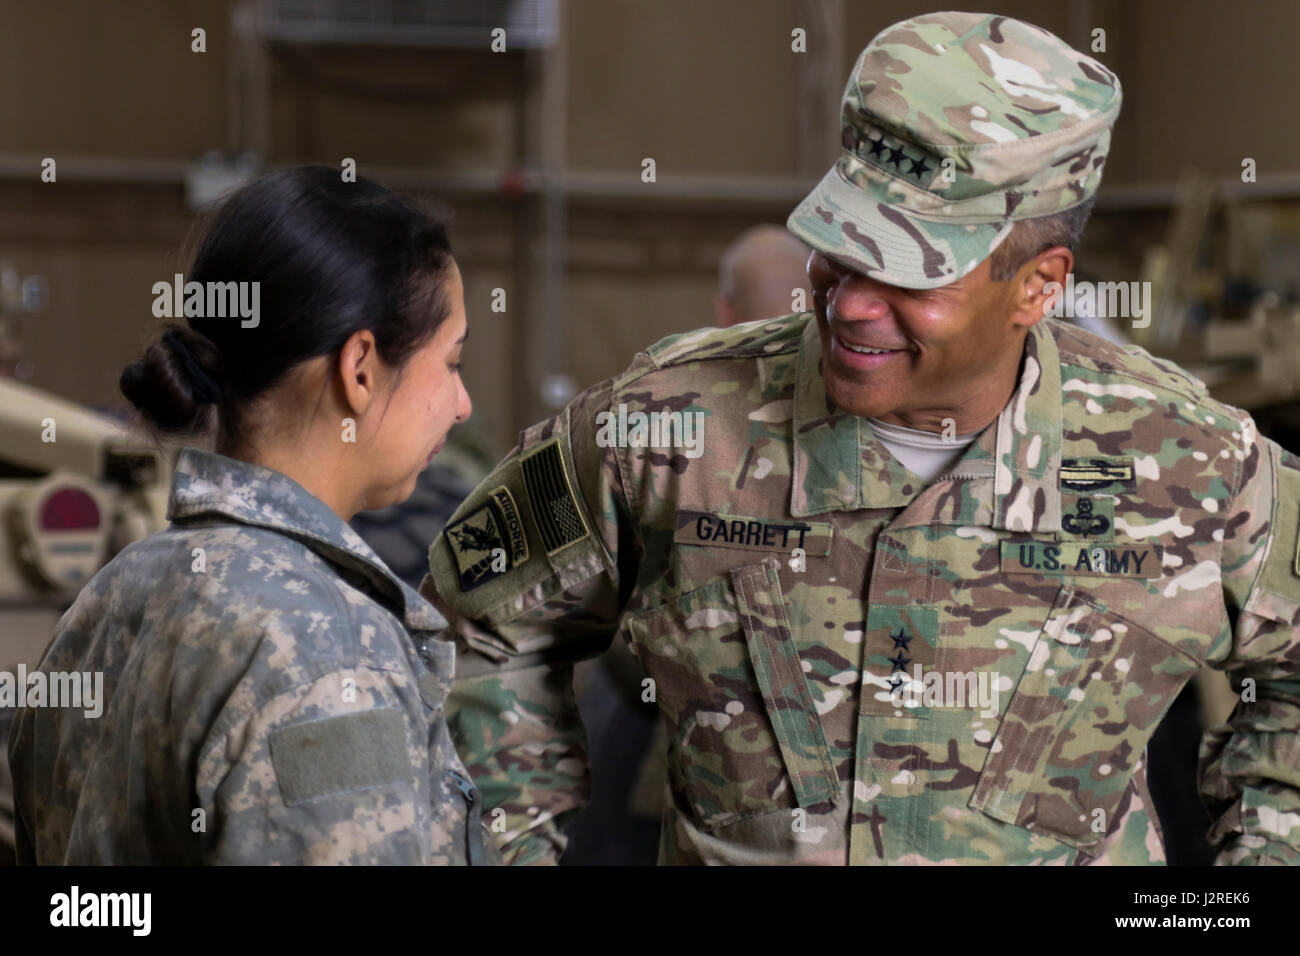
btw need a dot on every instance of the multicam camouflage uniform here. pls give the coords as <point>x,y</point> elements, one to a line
<point>273,695</point>
<point>1113,531</point>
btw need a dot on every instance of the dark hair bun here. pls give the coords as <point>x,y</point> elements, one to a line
<point>175,384</point>
<point>320,260</point>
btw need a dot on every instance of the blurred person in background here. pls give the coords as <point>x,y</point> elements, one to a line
<point>759,274</point>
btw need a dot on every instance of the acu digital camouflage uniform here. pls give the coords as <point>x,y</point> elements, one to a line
<point>776,682</point>
<point>1111,532</point>
<point>262,666</point>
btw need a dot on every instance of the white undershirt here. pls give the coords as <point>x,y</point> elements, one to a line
<point>927,454</point>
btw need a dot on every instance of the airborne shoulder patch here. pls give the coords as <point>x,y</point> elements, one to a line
<point>550,493</point>
<point>488,541</point>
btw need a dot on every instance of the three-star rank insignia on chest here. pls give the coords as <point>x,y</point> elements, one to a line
<point>901,647</point>
<point>488,541</point>
<point>900,660</point>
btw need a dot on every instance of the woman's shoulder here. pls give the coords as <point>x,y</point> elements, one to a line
<point>201,559</point>
<point>246,590</point>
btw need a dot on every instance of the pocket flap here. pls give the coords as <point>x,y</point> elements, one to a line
<point>1094,689</point>
<point>781,680</point>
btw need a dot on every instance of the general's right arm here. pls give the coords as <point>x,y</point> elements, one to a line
<point>520,624</point>
<point>1249,772</point>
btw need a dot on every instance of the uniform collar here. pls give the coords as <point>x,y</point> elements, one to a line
<point>1027,462</point>
<point>839,465</point>
<point>206,484</point>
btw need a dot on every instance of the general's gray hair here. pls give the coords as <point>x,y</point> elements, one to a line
<point>1029,237</point>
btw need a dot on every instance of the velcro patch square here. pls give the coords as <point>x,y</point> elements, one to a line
<point>340,754</point>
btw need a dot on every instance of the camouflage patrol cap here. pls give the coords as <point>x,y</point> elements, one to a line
<point>953,126</point>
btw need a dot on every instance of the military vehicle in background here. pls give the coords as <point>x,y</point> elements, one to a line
<point>75,488</point>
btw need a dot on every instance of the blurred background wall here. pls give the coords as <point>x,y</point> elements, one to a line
<point>538,151</point>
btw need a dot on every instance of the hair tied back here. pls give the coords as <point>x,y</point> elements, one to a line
<point>206,390</point>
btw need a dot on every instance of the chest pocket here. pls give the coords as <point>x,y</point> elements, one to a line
<point>744,735</point>
<point>1094,689</point>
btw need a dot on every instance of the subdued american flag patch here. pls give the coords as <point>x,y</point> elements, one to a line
<point>550,492</point>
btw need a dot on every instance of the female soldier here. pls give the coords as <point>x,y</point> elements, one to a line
<point>273,693</point>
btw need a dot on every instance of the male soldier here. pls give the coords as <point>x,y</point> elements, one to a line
<point>869,646</point>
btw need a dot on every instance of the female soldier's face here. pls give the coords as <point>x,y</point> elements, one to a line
<point>426,400</point>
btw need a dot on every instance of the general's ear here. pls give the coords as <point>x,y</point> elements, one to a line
<point>1039,284</point>
<point>358,370</point>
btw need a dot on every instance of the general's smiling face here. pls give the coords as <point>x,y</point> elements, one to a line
<point>914,356</point>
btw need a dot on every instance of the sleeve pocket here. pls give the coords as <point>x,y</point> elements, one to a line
<point>1277,593</point>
